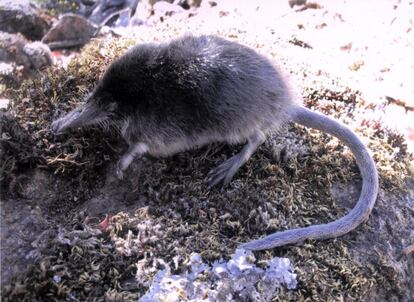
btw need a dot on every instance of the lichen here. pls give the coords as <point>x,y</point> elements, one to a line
<point>222,281</point>
<point>286,184</point>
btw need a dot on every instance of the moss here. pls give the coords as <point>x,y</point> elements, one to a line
<point>286,184</point>
<point>37,102</point>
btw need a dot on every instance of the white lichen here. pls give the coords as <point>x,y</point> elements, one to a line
<point>238,279</point>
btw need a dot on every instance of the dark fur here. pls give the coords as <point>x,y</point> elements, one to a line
<point>192,88</point>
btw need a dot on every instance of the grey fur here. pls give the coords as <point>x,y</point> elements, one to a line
<point>193,91</point>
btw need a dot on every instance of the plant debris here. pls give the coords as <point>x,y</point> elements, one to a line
<point>41,100</point>
<point>172,214</point>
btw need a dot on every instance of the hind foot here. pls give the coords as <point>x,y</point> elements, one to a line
<point>224,173</point>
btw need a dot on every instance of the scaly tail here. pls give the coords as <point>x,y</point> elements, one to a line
<point>366,199</point>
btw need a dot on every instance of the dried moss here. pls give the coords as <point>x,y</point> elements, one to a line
<point>39,101</point>
<point>286,184</point>
<point>388,147</point>
<point>79,265</point>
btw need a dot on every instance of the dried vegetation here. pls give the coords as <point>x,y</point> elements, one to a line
<point>286,184</point>
<point>37,102</point>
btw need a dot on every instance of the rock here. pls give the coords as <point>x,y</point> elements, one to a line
<point>39,55</point>
<point>70,31</point>
<point>15,49</point>
<point>23,17</point>
<point>107,11</point>
<point>4,103</point>
<point>11,48</point>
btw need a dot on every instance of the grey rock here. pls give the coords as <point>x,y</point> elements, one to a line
<point>70,31</point>
<point>15,49</point>
<point>107,11</point>
<point>23,17</point>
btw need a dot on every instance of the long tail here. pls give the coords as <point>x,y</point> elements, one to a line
<point>366,199</point>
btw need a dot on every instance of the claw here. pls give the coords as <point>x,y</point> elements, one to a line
<point>213,181</point>
<point>223,173</point>
<point>119,172</point>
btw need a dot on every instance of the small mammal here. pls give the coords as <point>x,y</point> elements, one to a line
<point>193,91</point>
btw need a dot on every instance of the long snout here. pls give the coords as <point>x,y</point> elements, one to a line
<point>84,115</point>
